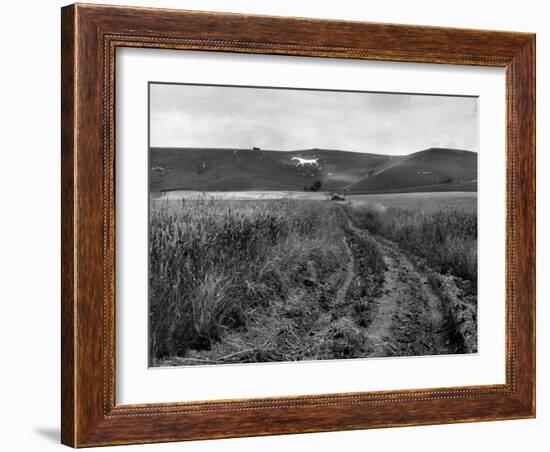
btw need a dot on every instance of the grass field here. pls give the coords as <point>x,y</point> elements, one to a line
<point>440,228</point>
<point>241,280</point>
<point>419,202</point>
<point>245,279</point>
<point>439,231</point>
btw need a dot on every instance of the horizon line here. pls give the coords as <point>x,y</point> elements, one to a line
<point>305,150</point>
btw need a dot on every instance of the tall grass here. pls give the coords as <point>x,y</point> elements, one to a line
<point>214,265</point>
<point>447,240</point>
<point>368,276</point>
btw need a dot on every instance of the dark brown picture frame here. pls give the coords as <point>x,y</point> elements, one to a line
<point>90,35</point>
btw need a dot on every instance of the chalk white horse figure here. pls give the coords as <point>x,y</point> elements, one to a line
<point>302,162</point>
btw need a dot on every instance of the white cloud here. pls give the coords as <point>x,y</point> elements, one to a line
<point>212,116</point>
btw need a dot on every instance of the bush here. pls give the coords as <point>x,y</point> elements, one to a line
<point>316,186</point>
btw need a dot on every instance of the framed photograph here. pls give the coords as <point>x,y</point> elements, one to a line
<point>281,225</point>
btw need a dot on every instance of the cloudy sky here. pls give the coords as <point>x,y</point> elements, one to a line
<point>288,119</point>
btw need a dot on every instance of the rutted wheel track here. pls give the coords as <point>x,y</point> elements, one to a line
<point>350,265</point>
<point>325,320</point>
<point>399,314</point>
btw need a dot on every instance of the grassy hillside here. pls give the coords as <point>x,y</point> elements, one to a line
<point>429,170</point>
<point>246,169</point>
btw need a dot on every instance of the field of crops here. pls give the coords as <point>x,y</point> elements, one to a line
<point>440,235</point>
<point>441,228</point>
<point>240,280</point>
<point>245,279</point>
<point>420,202</point>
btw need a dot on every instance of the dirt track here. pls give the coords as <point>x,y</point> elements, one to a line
<point>408,317</point>
<point>341,294</point>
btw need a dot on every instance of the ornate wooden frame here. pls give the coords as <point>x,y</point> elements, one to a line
<point>90,35</point>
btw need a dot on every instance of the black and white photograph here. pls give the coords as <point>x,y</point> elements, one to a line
<point>294,224</point>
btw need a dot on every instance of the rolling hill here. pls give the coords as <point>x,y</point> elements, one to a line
<point>210,169</point>
<point>430,170</point>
